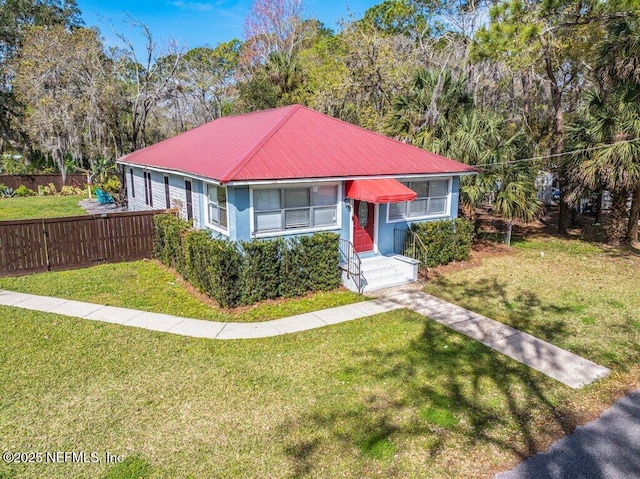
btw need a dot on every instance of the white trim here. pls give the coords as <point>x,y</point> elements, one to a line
<point>352,225</point>
<point>269,234</point>
<point>294,180</point>
<point>213,226</point>
<point>419,218</point>
<point>446,214</point>
<point>171,172</point>
<point>376,219</point>
<point>347,178</point>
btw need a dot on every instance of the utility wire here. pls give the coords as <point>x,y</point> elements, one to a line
<point>555,155</point>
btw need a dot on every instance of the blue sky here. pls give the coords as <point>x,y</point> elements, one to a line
<point>196,23</point>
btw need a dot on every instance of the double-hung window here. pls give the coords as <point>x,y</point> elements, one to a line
<point>217,201</point>
<point>295,208</point>
<point>133,185</point>
<point>148,191</point>
<point>432,200</point>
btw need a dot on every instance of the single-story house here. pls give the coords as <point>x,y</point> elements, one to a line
<point>293,171</point>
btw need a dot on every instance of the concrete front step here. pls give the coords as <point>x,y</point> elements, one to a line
<point>385,271</point>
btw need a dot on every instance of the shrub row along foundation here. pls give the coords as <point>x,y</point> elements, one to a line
<point>247,272</point>
<point>445,240</point>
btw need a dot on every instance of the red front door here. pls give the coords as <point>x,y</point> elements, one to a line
<point>363,226</point>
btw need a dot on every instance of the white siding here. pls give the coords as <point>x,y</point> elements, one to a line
<point>137,203</point>
<point>177,193</point>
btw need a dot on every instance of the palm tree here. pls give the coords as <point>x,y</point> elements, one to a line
<point>512,181</point>
<point>437,114</point>
<point>607,133</point>
<point>619,52</point>
<point>284,71</point>
<point>425,114</point>
<point>516,197</point>
<point>619,68</point>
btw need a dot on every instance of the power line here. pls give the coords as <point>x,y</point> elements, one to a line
<point>555,155</point>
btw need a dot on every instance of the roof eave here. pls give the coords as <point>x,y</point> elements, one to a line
<point>170,171</point>
<point>346,178</point>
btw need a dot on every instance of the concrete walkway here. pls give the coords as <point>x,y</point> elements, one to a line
<point>557,363</point>
<point>566,367</point>
<point>607,448</point>
<point>196,327</point>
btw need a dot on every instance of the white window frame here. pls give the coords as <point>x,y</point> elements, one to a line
<point>296,231</point>
<point>208,223</point>
<point>148,188</point>
<point>447,212</point>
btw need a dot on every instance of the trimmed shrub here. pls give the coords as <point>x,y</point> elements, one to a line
<point>213,266</point>
<point>256,270</point>
<point>294,280</point>
<point>167,246</point>
<point>261,269</point>
<point>464,234</point>
<point>320,254</point>
<point>445,240</point>
<point>198,253</point>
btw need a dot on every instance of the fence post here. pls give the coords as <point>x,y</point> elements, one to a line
<point>45,234</point>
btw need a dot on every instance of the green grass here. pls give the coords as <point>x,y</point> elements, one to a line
<point>574,294</point>
<point>420,401</point>
<point>39,207</point>
<point>392,396</point>
<point>147,286</point>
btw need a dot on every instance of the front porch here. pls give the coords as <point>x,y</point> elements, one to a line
<point>378,272</point>
<point>374,256</point>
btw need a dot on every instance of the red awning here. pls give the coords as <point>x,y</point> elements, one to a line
<point>379,191</point>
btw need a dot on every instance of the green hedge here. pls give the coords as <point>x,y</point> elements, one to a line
<point>213,266</point>
<point>320,257</point>
<point>249,272</point>
<point>167,246</point>
<point>261,269</point>
<point>445,240</point>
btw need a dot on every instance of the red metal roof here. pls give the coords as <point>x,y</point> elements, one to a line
<point>386,190</point>
<point>291,142</point>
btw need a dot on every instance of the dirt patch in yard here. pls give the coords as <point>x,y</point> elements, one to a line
<point>479,251</point>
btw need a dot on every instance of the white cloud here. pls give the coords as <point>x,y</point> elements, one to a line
<point>196,6</point>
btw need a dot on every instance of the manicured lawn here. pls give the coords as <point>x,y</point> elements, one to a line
<point>147,286</point>
<point>39,207</point>
<point>574,294</point>
<point>393,395</point>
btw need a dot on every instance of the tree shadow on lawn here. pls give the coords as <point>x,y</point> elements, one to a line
<point>441,389</point>
<point>438,389</point>
<point>443,393</point>
<point>518,311</point>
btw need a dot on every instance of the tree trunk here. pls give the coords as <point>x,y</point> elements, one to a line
<point>558,130</point>
<point>509,229</point>
<point>574,217</point>
<point>563,183</point>
<point>634,216</point>
<point>598,211</point>
<point>526,95</point>
<point>618,219</point>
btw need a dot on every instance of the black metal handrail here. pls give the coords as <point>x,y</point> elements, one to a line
<point>350,262</point>
<point>408,243</point>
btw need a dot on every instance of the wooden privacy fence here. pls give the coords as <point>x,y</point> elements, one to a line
<point>33,181</point>
<point>50,244</point>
